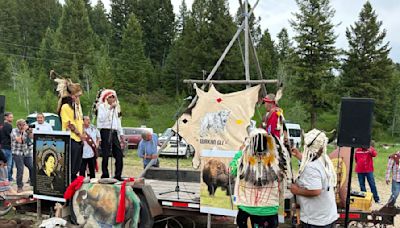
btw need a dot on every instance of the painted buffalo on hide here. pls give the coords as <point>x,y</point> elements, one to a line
<point>96,205</point>
<point>215,174</point>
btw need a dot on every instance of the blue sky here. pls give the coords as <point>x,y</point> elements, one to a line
<point>275,14</point>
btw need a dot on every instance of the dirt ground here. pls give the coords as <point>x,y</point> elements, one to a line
<point>384,192</point>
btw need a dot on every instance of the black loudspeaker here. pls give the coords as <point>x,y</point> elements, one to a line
<point>355,122</point>
<point>2,108</point>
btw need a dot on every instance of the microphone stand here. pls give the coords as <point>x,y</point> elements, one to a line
<point>110,140</point>
<point>177,188</point>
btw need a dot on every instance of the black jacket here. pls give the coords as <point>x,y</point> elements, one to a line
<point>6,136</point>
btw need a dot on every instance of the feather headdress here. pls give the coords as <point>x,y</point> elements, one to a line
<point>315,147</point>
<point>263,161</point>
<point>106,93</point>
<point>66,88</point>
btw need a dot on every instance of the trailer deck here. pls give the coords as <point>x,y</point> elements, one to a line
<point>164,185</point>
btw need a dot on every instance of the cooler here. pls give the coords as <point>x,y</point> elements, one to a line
<point>361,203</point>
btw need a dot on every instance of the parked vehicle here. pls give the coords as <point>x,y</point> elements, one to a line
<point>185,149</point>
<point>51,118</point>
<point>133,135</point>
<point>294,134</point>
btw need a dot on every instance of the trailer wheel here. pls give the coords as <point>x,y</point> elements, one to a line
<point>146,220</point>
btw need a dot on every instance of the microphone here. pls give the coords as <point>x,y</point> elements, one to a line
<point>188,98</point>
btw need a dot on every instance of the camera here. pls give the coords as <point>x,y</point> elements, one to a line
<point>30,127</point>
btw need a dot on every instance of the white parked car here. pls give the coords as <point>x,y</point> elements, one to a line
<point>185,149</point>
<point>294,134</point>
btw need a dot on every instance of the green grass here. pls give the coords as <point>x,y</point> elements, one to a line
<point>380,162</point>
<point>161,115</point>
<point>219,200</point>
<point>15,105</point>
<point>133,165</point>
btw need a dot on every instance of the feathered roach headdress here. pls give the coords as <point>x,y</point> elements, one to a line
<point>315,147</point>
<point>66,88</point>
<point>105,93</point>
<point>263,161</point>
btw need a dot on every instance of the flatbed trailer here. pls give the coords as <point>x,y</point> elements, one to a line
<point>174,205</point>
<point>376,218</point>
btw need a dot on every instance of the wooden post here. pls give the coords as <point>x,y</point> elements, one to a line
<point>226,51</point>
<point>246,42</point>
<point>208,220</point>
<point>39,209</point>
<point>260,75</point>
<point>224,54</point>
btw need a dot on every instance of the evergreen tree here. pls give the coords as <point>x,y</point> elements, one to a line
<point>100,23</point>
<point>156,17</point>
<point>286,56</point>
<point>34,17</point>
<point>207,33</point>
<point>24,83</point>
<point>4,73</point>
<point>367,70</point>
<point>104,76</point>
<point>316,55</point>
<point>74,70</point>
<point>9,28</point>
<point>395,101</point>
<point>255,32</point>
<point>88,6</point>
<point>254,23</point>
<point>133,68</point>
<point>120,12</point>
<point>284,46</point>
<point>75,37</point>
<point>47,53</point>
<point>268,56</point>
<point>174,70</point>
<point>143,111</point>
<point>182,18</point>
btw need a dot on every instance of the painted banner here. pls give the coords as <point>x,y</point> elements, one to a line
<point>216,128</point>
<point>51,165</point>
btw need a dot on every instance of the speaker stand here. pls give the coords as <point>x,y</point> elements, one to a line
<point>346,220</point>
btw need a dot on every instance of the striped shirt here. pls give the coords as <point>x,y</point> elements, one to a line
<point>393,168</point>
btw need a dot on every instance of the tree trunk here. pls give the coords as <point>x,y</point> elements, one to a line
<point>313,118</point>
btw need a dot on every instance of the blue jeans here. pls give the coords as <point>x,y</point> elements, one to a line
<point>371,181</point>
<point>20,161</point>
<point>395,193</point>
<point>10,164</point>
